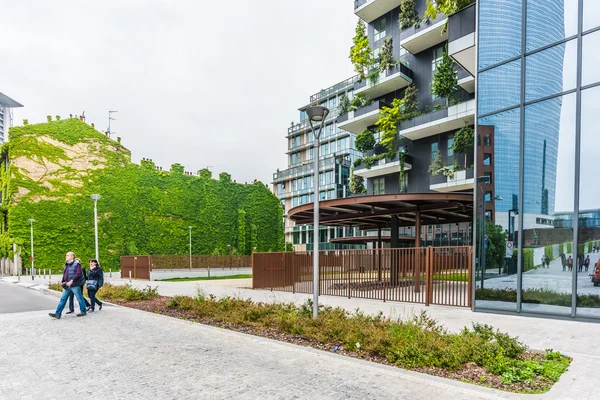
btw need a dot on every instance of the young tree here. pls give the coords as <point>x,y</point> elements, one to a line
<point>409,102</point>
<point>386,55</point>
<point>464,141</point>
<point>365,141</point>
<point>361,54</point>
<point>445,78</point>
<point>408,14</point>
<point>344,106</point>
<point>356,183</point>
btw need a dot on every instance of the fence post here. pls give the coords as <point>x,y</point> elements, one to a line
<point>470,274</point>
<point>428,276</point>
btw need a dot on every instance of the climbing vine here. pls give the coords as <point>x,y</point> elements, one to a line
<point>50,170</point>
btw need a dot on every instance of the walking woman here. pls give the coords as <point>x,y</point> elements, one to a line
<point>95,282</point>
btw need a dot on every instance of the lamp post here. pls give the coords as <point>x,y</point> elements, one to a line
<point>96,197</point>
<point>316,115</point>
<point>31,221</point>
<point>190,228</point>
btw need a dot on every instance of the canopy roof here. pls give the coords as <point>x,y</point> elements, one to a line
<point>372,212</point>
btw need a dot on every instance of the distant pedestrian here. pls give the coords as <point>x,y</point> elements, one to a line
<point>72,281</point>
<point>587,263</point>
<point>570,263</point>
<point>563,260</point>
<point>580,262</point>
<point>94,283</point>
<point>87,303</point>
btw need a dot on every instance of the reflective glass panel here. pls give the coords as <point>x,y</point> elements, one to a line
<point>588,290</point>
<point>548,190</point>
<point>549,21</point>
<point>551,71</point>
<point>500,87</point>
<point>591,59</point>
<point>497,285</point>
<point>591,14</point>
<point>499,31</point>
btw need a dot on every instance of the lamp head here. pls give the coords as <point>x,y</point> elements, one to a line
<point>190,227</point>
<point>95,196</point>
<point>317,113</point>
<point>31,220</point>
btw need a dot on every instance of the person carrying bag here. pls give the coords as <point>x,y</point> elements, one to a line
<point>94,283</point>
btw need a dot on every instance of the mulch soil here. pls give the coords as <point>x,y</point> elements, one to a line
<point>470,373</point>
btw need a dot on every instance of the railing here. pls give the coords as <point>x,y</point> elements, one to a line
<point>304,125</point>
<point>307,168</point>
<point>398,68</point>
<point>461,23</point>
<point>334,89</point>
<point>358,3</point>
<point>183,261</point>
<point>431,275</point>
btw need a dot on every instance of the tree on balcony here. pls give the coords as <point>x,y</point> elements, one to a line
<point>344,106</point>
<point>445,7</point>
<point>464,141</point>
<point>365,141</point>
<point>359,101</point>
<point>357,183</point>
<point>390,117</point>
<point>445,78</point>
<point>361,54</point>
<point>408,15</point>
<point>386,55</point>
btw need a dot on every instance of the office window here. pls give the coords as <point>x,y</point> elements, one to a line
<point>489,175</point>
<point>332,104</point>
<point>379,29</point>
<point>302,116</point>
<point>379,186</point>
<point>487,159</point>
<point>487,141</point>
<point>438,52</point>
<point>488,197</point>
<point>329,129</point>
<point>434,150</point>
<point>450,144</point>
<point>311,153</point>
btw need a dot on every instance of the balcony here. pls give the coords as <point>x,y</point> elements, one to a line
<point>436,122</point>
<point>392,79</point>
<point>383,167</point>
<point>306,168</point>
<point>338,87</point>
<point>305,125</point>
<point>425,37</point>
<point>462,180</point>
<point>359,120</point>
<point>461,38</point>
<point>369,10</point>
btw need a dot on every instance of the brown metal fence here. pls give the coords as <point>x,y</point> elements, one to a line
<point>140,266</point>
<point>432,275</point>
<point>179,261</point>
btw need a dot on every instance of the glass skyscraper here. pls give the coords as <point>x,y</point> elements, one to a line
<point>538,87</point>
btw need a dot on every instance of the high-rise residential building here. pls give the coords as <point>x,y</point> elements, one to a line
<point>6,106</point>
<point>422,158</point>
<point>539,87</point>
<point>294,185</point>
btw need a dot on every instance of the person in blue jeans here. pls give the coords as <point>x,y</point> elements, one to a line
<point>87,303</point>
<point>72,281</point>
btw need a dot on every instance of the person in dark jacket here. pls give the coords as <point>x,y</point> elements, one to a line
<point>94,283</point>
<point>72,281</point>
<point>87,303</point>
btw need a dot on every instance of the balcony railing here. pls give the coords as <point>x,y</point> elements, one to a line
<point>394,78</point>
<point>461,23</point>
<point>338,87</point>
<point>360,119</point>
<point>439,121</point>
<point>307,167</point>
<point>305,125</point>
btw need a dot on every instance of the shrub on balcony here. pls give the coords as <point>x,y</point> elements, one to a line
<point>437,165</point>
<point>359,101</point>
<point>365,141</point>
<point>361,54</point>
<point>408,15</point>
<point>464,141</point>
<point>445,79</point>
<point>344,106</point>
<point>357,183</point>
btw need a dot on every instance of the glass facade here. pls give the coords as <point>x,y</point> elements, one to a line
<point>538,240</point>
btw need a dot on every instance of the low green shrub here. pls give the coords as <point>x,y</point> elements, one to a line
<point>118,292</point>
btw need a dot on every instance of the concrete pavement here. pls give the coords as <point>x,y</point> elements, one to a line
<point>572,338</point>
<point>12,300</point>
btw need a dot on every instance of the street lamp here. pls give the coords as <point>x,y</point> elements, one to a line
<point>316,115</point>
<point>31,221</point>
<point>190,228</point>
<point>96,197</point>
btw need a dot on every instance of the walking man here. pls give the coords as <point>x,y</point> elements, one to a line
<point>72,281</point>
<point>587,263</point>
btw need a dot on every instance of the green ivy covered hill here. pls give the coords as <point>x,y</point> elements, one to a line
<point>48,172</point>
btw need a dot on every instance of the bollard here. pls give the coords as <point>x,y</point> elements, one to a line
<point>129,276</point>
<point>110,272</point>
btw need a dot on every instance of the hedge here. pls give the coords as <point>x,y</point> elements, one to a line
<point>142,210</point>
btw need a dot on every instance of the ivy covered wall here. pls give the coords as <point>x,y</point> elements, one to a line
<point>48,172</point>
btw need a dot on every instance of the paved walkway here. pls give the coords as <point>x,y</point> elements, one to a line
<point>575,339</point>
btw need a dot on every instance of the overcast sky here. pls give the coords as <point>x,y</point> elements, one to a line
<point>198,82</point>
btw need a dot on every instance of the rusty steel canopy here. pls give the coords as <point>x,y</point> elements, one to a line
<point>372,212</point>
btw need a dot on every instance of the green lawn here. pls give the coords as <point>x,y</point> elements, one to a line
<point>204,278</point>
